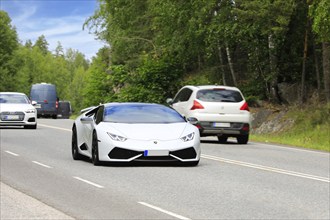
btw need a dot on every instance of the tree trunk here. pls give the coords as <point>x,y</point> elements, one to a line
<point>303,73</point>
<point>222,67</point>
<point>273,70</point>
<point>231,66</point>
<point>326,69</point>
<point>317,71</point>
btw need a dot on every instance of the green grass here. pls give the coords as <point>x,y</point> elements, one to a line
<point>310,130</point>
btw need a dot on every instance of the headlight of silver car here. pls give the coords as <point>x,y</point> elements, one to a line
<point>30,110</point>
<point>188,137</point>
<point>116,137</point>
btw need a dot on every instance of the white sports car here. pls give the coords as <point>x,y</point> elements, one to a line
<point>126,132</point>
<point>17,110</point>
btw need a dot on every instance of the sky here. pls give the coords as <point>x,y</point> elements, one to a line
<point>58,20</point>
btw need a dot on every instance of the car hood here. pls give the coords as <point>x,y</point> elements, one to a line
<point>146,131</point>
<point>15,107</point>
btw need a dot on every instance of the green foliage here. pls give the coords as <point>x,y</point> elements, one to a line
<point>320,11</point>
<point>8,44</point>
<point>98,86</point>
<point>153,81</point>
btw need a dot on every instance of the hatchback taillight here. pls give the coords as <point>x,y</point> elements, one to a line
<point>245,107</point>
<point>197,105</point>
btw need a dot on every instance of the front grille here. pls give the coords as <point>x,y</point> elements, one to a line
<point>12,116</point>
<point>188,153</point>
<point>156,158</point>
<point>120,153</point>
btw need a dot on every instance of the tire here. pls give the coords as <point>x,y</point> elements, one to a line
<point>243,139</point>
<point>74,145</point>
<point>30,126</point>
<point>222,139</point>
<point>54,116</point>
<point>95,150</point>
<point>191,164</point>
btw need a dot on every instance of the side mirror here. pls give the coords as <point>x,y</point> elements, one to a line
<point>86,120</point>
<point>192,120</point>
<point>34,103</point>
<point>169,101</point>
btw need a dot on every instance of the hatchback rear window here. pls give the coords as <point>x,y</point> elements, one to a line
<point>219,95</point>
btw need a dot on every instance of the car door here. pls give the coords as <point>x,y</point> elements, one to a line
<point>180,102</point>
<point>88,128</point>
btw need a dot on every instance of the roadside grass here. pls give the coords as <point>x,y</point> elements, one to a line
<point>310,130</point>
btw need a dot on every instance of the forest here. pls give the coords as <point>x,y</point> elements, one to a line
<point>157,46</point>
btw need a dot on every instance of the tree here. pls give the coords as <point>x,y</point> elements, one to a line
<point>42,44</point>
<point>8,44</point>
<point>321,26</point>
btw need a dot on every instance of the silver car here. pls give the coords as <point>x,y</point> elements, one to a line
<point>16,110</point>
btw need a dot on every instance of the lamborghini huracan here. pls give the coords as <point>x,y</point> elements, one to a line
<point>130,132</point>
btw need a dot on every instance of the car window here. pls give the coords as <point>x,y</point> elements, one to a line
<point>141,114</point>
<point>219,95</point>
<point>99,115</point>
<point>14,99</point>
<point>183,95</point>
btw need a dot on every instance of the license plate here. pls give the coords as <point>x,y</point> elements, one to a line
<point>151,153</point>
<point>221,125</point>
<point>11,117</point>
<point>37,106</point>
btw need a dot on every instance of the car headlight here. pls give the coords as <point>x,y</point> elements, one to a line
<point>116,137</point>
<point>188,137</point>
<point>30,110</point>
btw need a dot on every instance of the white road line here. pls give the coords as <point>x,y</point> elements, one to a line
<point>291,148</point>
<point>9,152</point>
<point>89,182</point>
<point>164,211</point>
<point>40,164</point>
<point>271,169</point>
<point>58,128</point>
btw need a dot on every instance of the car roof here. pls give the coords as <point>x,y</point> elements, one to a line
<point>130,104</point>
<point>211,87</point>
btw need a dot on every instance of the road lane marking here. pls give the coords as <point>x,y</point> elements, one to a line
<point>88,182</point>
<point>9,152</point>
<point>58,128</point>
<point>164,211</point>
<point>291,148</point>
<point>271,169</point>
<point>40,164</point>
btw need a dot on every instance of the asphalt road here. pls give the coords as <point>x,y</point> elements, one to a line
<point>253,181</point>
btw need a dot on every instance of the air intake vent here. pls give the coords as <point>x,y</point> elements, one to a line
<point>188,153</point>
<point>120,153</point>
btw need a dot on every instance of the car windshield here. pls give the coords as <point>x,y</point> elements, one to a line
<point>13,99</point>
<point>219,95</point>
<point>141,114</point>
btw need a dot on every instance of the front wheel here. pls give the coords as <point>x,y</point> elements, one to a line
<point>74,145</point>
<point>243,139</point>
<point>95,150</point>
